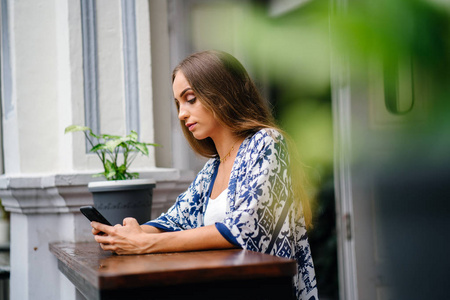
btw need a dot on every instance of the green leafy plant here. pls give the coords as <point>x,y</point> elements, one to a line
<point>108,149</point>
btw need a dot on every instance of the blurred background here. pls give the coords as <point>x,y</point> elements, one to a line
<point>362,87</point>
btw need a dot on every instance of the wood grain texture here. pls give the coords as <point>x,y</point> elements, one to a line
<point>96,272</point>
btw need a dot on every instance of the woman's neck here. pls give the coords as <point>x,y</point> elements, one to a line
<point>227,146</point>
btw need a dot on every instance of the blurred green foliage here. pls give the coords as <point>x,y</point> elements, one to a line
<point>294,50</point>
<point>392,32</point>
<point>293,53</point>
<point>300,52</point>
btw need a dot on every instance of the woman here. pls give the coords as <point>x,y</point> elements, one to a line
<point>243,196</point>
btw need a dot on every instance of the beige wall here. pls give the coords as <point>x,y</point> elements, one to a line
<point>47,74</point>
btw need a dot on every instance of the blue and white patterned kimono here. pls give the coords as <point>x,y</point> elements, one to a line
<point>258,189</point>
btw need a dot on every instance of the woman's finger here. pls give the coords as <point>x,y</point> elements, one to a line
<point>103,239</point>
<point>107,247</point>
<point>101,227</point>
<point>95,231</point>
<point>130,222</point>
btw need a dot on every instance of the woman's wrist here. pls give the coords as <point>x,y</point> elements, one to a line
<point>159,242</point>
<point>151,229</point>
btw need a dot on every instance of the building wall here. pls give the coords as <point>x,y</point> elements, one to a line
<point>48,91</point>
<point>79,62</point>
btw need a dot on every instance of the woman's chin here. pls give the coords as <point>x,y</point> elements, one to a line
<point>199,136</point>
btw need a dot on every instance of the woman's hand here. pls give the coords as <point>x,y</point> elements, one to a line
<point>128,238</point>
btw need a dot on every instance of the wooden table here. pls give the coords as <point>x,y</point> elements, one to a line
<point>219,274</point>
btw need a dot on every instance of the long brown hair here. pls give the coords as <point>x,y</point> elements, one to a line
<point>223,86</point>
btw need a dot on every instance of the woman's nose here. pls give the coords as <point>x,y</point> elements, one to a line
<point>182,113</point>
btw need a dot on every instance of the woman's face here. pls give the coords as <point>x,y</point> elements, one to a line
<point>200,121</point>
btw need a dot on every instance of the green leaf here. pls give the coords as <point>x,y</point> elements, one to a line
<point>133,175</point>
<point>142,148</point>
<point>93,135</point>
<point>121,176</point>
<point>112,144</point>
<point>109,166</point>
<point>122,169</point>
<point>110,175</point>
<point>133,135</point>
<point>111,137</point>
<point>110,171</point>
<point>75,128</point>
<point>153,144</point>
<point>98,147</point>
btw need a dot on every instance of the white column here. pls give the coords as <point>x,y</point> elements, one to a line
<point>43,210</point>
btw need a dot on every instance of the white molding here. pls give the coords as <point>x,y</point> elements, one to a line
<point>130,65</point>
<point>344,197</point>
<point>6,76</point>
<point>90,68</point>
<point>342,132</point>
<point>161,93</point>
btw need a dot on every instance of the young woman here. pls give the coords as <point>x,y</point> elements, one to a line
<point>247,195</point>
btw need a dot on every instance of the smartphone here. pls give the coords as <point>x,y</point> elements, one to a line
<point>94,215</point>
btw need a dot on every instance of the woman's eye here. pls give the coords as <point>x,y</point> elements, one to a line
<point>191,99</point>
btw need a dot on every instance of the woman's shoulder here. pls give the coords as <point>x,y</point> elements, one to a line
<point>266,136</point>
<point>267,139</point>
<point>207,170</point>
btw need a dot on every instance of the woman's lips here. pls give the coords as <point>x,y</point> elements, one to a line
<point>190,126</point>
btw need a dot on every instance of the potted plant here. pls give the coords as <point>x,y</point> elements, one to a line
<point>122,194</point>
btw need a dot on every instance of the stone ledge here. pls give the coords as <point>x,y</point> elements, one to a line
<point>83,178</point>
<point>65,193</point>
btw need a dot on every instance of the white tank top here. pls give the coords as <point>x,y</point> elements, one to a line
<point>215,210</point>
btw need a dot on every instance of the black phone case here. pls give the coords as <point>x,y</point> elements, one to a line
<point>94,215</point>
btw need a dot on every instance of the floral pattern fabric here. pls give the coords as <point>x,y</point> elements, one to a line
<point>258,189</point>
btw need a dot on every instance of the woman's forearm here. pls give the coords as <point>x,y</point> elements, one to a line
<point>202,238</point>
<point>131,238</point>
<point>151,229</point>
